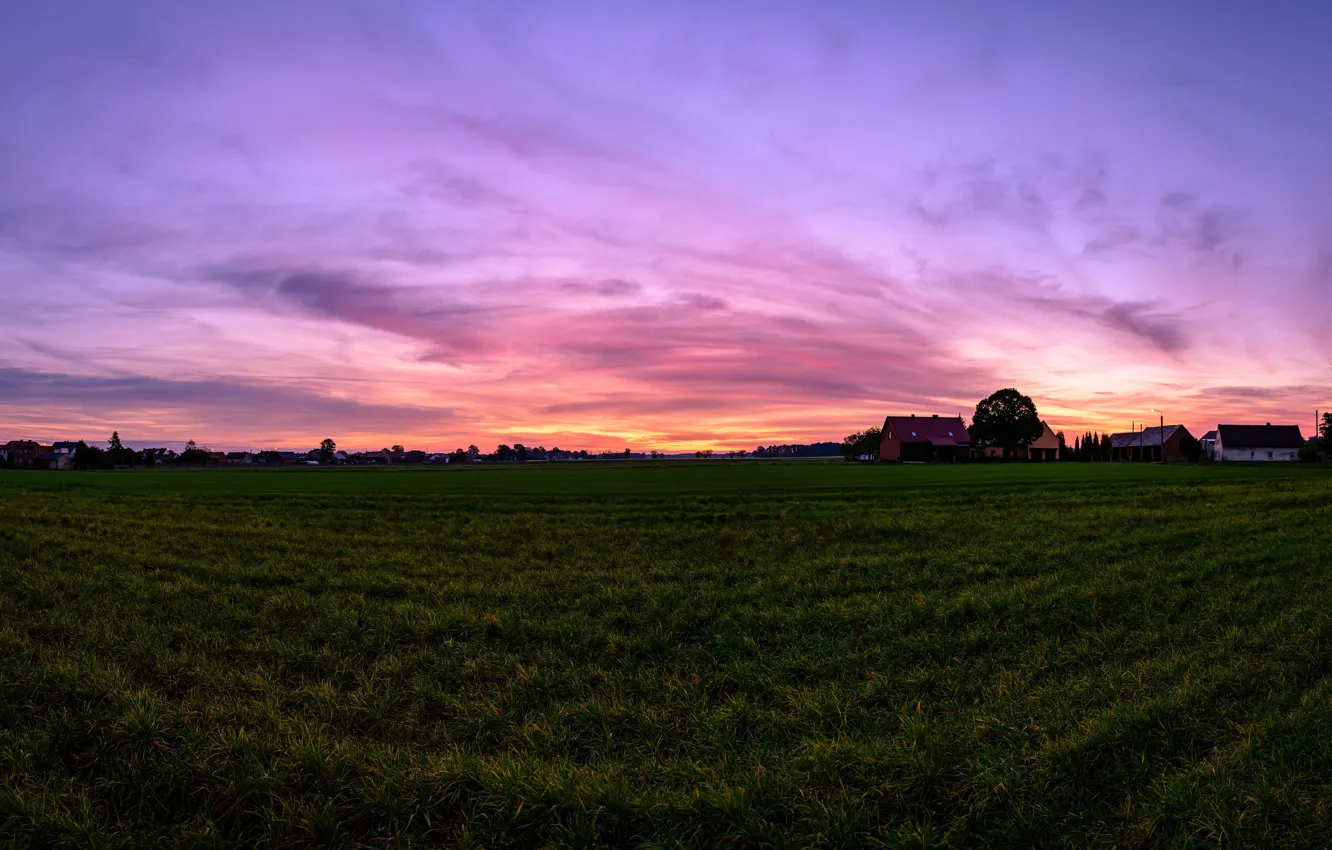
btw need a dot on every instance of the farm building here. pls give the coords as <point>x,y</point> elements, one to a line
<point>1148,444</point>
<point>1259,442</point>
<point>1208,444</point>
<point>921,438</point>
<point>1046,447</point>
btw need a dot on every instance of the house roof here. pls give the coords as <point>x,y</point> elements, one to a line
<point>1048,438</point>
<point>1145,437</point>
<point>1210,435</point>
<point>1260,436</point>
<point>935,430</point>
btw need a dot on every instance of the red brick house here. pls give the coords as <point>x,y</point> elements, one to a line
<point>23,453</point>
<point>924,438</point>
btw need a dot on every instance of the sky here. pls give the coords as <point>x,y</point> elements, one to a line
<point>673,226</point>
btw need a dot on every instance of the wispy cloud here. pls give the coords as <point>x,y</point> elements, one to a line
<point>212,409</point>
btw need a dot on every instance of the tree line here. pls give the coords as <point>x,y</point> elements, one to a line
<point>1005,419</point>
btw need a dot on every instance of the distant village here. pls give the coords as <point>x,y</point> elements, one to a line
<point>31,454</point>
<point>941,439</point>
<point>1006,427</point>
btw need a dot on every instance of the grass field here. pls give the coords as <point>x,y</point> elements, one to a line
<point>749,654</point>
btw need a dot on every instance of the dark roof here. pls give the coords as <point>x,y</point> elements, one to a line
<point>1210,435</point>
<point>1260,436</point>
<point>935,430</point>
<point>1145,437</point>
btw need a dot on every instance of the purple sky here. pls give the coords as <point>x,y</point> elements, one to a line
<point>657,225</point>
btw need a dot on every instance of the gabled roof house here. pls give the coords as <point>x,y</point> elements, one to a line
<point>922,438</point>
<point>1258,442</point>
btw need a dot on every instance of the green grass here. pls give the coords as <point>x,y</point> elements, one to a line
<point>776,654</point>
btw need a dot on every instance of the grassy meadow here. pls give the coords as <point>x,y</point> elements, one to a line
<point>666,655</point>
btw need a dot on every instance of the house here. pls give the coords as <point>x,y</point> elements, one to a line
<point>377,457</point>
<point>1046,447</point>
<point>217,458</point>
<point>1258,442</point>
<point>921,438</point>
<point>1151,444</point>
<point>50,458</point>
<point>61,455</point>
<point>239,458</point>
<point>1208,444</point>
<point>23,453</point>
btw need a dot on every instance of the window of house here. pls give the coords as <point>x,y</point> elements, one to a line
<point>1269,455</point>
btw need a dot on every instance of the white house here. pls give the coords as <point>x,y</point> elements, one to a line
<point>1208,444</point>
<point>1258,442</point>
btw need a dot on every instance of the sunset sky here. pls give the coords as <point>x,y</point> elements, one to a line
<point>667,225</point>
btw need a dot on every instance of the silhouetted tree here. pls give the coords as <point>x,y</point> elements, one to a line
<point>194,455</point>
<point>89,457</point>
<point>1007,419</point>
<point>326,449</point>
<point>862,444</point>
<point>1190,448</point>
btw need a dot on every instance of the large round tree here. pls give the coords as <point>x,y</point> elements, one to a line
<point>1006,419</point>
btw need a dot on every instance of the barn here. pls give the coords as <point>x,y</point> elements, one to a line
<point>924,438</point>
<point>1152,444</point>
<point>1259,442</point>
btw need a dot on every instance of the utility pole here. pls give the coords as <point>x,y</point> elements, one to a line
<point>1160,437</point>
